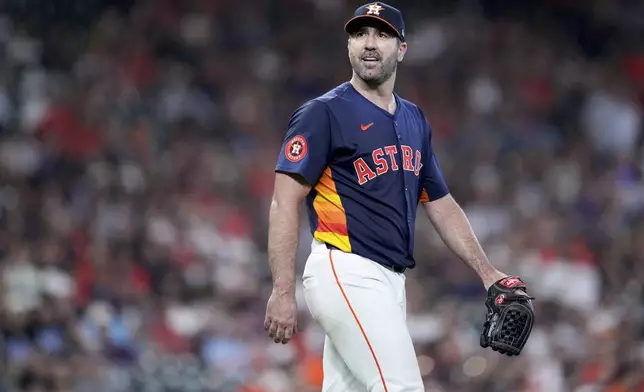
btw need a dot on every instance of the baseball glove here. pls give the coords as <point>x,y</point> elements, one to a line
<point>510,317</point>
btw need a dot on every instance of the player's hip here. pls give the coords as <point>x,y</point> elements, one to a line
<point>336,282</point>
<point>333,267</point>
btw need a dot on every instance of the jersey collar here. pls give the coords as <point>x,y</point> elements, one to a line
<point>396,97</point>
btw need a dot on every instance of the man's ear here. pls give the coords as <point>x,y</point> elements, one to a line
<point>402,49</point>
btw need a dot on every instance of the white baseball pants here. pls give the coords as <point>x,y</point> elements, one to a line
<point>361,306</point>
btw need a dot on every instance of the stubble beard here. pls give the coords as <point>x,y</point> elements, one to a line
<point>374,76</point>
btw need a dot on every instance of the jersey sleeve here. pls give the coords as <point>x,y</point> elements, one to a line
<point>433,183</point>
<point>306,145</point>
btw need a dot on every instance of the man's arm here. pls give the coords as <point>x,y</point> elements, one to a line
<point>454,228</point>
<point>283,233</point>
<point>283,230</point>
<point>304,154</point>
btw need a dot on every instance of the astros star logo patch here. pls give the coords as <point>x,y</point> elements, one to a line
<point>374,9</point>
<point>296,149</point>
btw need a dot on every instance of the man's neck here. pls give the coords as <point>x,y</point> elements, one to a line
<point>382,95</point>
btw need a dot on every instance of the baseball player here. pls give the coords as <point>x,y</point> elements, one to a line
<point>362,158</point>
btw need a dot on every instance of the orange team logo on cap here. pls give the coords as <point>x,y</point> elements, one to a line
<point>296,149</point>
<point>374,9</point>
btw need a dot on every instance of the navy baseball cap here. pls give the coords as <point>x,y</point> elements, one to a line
<point>380,11</point>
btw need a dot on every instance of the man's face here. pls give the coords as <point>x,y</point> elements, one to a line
<point>374,54</point>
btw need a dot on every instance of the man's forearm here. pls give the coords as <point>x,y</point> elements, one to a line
<point>283,233</point>
<point>456,232</point>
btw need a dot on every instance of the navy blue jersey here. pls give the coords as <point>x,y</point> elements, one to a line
<point>369,170</point>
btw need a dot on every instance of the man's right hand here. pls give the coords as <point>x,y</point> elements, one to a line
<point>281,316</point>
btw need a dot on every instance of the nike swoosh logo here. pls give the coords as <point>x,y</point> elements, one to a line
<point>365,127</point>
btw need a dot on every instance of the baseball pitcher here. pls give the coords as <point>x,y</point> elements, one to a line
<point>362,158</point>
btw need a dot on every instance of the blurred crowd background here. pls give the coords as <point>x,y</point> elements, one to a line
<point>137,146</point>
